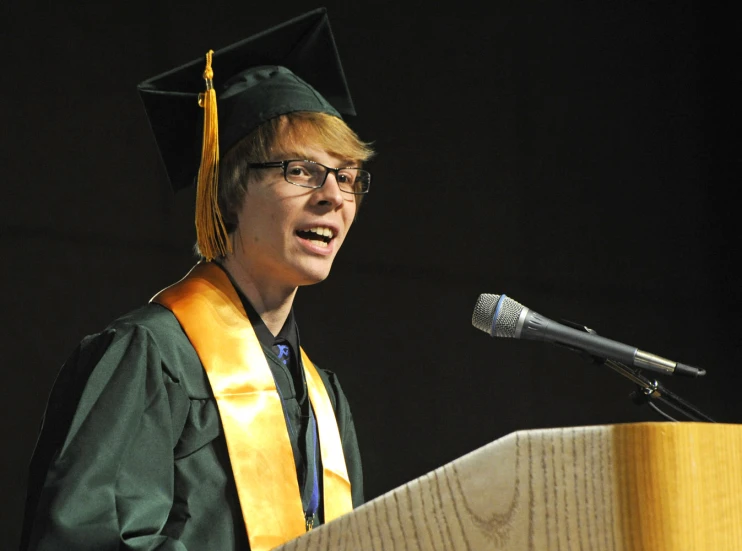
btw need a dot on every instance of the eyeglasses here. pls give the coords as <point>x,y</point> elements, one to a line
<point>313,175</point>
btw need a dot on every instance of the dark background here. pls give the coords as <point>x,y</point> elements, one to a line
<point>582,157</point>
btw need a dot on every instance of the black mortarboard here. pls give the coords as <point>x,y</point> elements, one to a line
<point>248,93</point>
<point>293,66</point>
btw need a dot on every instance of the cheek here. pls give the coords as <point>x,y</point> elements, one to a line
<point>350,213</point>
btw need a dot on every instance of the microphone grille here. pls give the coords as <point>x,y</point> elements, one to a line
<point>507,319</point>
<point>497,315</point>
<point>484,311</point>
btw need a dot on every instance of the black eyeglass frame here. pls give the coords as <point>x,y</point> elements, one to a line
<point>285,165</point>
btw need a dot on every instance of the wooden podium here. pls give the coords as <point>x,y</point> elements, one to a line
<point>644,486</point>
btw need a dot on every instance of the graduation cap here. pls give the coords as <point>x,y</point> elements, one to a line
<point>291,67</point>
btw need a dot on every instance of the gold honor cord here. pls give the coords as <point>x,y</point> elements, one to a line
<point>212,316</point>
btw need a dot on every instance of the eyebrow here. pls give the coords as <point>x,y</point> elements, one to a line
<point>347,163</point>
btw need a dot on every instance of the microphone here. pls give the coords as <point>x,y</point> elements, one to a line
<point>501,316</point>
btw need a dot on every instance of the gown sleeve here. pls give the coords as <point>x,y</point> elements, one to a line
<point>102,473</point>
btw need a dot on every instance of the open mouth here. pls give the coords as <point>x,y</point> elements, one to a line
<point>319,236</point>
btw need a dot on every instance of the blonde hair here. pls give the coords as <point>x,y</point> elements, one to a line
<point>290,133</point>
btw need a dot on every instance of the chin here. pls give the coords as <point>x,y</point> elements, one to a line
<point>314,279</point>
<point>313,275</point>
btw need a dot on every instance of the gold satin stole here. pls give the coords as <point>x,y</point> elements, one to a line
<point>214,319</point>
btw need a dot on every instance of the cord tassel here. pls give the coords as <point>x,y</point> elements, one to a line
<point>211,233</point>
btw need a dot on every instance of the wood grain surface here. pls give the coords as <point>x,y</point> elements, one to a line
<point>644,486</point>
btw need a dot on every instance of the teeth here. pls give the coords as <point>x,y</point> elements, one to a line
<point>324,232</point>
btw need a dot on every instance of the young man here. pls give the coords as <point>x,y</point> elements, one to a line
<point>198,422</point>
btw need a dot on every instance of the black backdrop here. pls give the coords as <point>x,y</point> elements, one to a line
<point>580,157</point>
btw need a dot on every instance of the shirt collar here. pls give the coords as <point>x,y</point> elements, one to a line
<point>289,332</point>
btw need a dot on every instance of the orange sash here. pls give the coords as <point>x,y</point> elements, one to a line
<point>212,316</point>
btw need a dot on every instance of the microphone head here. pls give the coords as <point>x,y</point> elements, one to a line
<point>496,315</point>
<point>484,311</point>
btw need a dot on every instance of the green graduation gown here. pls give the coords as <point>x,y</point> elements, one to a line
<point>132,455</point>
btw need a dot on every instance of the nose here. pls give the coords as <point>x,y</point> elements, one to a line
<point>329,193</point>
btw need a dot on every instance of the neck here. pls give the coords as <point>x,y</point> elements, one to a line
<point>271,300</point>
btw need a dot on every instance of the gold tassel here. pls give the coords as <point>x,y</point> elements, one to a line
<point>211,234</point>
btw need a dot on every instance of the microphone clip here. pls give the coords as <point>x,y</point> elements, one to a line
<point>647,390</point>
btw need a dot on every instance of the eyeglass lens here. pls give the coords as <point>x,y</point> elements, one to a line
<point>308,174</point>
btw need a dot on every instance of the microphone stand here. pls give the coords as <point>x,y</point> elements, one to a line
<point>648,390</point>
